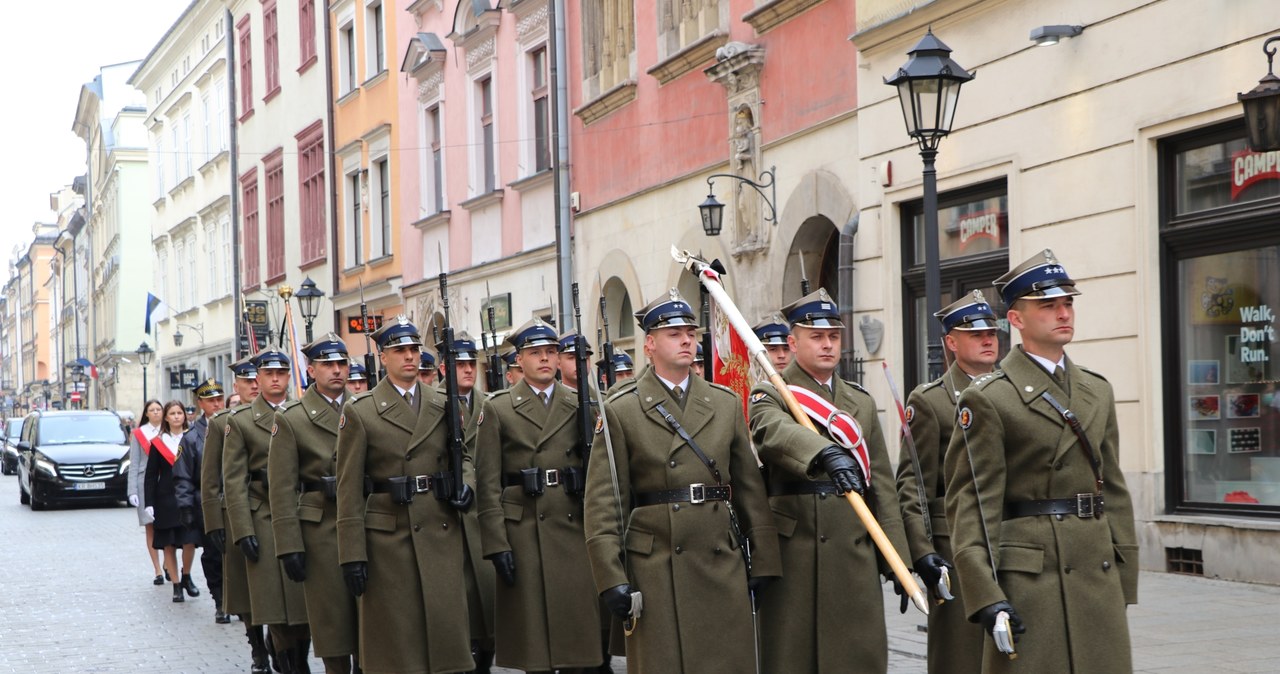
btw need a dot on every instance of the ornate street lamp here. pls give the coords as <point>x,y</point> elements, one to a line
<point>308,297</point>
<point>1262,106</point>
<point>928,90</point>
<point>178,336</point>
<point>712,211</point>
<point>144,357</point>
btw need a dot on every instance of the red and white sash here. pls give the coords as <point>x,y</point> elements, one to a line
<point>841,425</point>
<point>143,442</point>
<point>170,454</point>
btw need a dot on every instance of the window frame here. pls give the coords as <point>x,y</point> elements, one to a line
<point>271,49</point>
<point>312,169</point>
<point>249,234</point>
<point>307,53</point>
<point>273,172</point>
<point>244,33</point>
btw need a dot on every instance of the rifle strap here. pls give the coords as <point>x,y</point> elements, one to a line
<point>1074,423</point>
<point>684,435</point>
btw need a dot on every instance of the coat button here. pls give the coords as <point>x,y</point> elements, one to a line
<point>1059,517</point>
<point>679,550</point>
<point>537,451</point>
<point>822,539</point>
<point>570,517</point>
<point>1106,565</point>
<point>1067,569</point>
<point>1057,466</point>
<point>822,497</point>
<point>408,455</point>
<point>675,507</point>
<point>717,550</point>
<point>672,464</point>
<point>444,526</point>
<point>417,527</point>
<point>542,516</point>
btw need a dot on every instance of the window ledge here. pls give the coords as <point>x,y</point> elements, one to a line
<point>606,103</point>
<point>273,280</point>
<point>775,12</point>
<point>182,185</point>
<point>1247,523</point>
<point>377,78</point>
<point>536,180</point>
<point>311,60</point>
<point>433,220</point>
<point>380,261</point>
<point>311,264</point>
<point>245,115</point>
<point>352,271</point>
<point>271,94</point>
<point>695,54</point>
<point>158,204</point>
<point>349,96</point>
<point>208,166</point>
<point>483,200</point>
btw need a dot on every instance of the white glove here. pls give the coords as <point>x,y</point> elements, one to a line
<point>150,512</point>
<point>133,500</point>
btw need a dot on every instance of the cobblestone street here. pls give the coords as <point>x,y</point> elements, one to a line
<point>77,597</point>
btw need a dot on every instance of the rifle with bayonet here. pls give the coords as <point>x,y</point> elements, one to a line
<point>453,412</point>
<point>804,278</point>
<point>493,373</point>
<point>606,346</point>
<point>370,367</point>
<point>586,418</point>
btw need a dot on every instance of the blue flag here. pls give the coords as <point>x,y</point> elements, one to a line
<point>152,303</point>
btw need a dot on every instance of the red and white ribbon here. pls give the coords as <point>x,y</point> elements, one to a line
<point>842,427</point>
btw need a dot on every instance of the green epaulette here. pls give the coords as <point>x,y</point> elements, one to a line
<point>932,384</point>
<point>855,385</point>
<point>1092,372</point>
<point>981,382</point>
<point>220,412</point>
<point>623,388</point>
<point>361,396</point>
<point>724,388</point>
<point>287,405</point>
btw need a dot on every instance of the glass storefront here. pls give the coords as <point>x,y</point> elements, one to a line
<point>1221,239</point>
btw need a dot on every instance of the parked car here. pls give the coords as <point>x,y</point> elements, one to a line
<point>72,456</point>
<point>9,459</point>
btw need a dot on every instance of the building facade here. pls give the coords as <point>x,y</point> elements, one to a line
<point>1123,151</point>
<point>70,298</point>
<point>283,170</point>
<point>365,89</point>
<point>186,80</point>
<point>478,192</point>
<point>33,316</point>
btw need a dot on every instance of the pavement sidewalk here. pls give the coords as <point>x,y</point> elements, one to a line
<point>1181,624</point>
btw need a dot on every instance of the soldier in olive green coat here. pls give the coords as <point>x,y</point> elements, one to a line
<point>670,537</point>
<point>830,566</point>
<point>277,603</point>
<point>955,644</point>
<point>401,544</point>
<point>530,480</point>
<point>302,470</point>
<point>235,578</point>
<point>1041,521</point>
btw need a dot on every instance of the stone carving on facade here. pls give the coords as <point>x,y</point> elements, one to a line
<point>737,68</point>
<point>481,53</point>
<point>534,23</point>
<point>429,89</point>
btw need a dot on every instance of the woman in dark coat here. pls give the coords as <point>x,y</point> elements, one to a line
<point>162,501</point>
<point>139,447</point>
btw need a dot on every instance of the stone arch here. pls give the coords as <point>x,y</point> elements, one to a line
<point>818,207</point>
<point>622,292</point>
<point>814,253</point>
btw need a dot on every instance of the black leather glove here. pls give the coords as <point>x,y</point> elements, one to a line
<point>757,583</point>
<point>901,591</point>
<point>218,537</point>
<point>930,567</point>
<point>249,546</point>
<point>186,517</point>
<point>295,566</point>
<point>987,618</point>
<point>505,564</point>
<point>842,470</point>
<point>463,500</point>
<point>356,575</point>
<point>618,599</point>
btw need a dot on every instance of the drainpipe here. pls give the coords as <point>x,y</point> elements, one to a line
<point>236,296</point>
<point>849,361</point>
<point>559,163</point>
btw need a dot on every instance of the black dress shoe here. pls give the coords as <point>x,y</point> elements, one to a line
<point>220,617</point>
<point>177,593</point>
<point>158,581</point>
<point>189,585</point>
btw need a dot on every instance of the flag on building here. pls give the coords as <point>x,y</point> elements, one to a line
<point>155,308</point>
<point>88,366</point>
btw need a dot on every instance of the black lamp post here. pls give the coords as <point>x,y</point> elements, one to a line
<point>928,89</point>
<point>144,357</point>
<point>712,211</point>
<point>1262,106</point>
<point>77,378</point>
<point>308,297</point>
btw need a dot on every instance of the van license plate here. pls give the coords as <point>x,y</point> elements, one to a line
<point>90,486</point>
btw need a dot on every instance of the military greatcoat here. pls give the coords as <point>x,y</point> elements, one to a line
<point>478,571</point>
<point>235,578</point>
<point>413,614</point>
<point>304,450</point>
<point>274,598</point>
<point>550,618</point>
<point>829,561</point>
<point>682,557</point>
<point>1068,577</point>
<point>955,644</point>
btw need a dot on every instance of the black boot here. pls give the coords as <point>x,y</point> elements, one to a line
<point>258,648</point>
<point>219,616</point>
<point>177,593</point>
<point>484,660</point>
<point>189,585</point>
<point>285,660</point>
<point>300,654</point>
<point>271,651</point>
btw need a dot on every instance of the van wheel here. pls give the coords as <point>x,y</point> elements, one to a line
<point>23,497</point>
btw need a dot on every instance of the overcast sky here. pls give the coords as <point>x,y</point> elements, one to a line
<point>50,50</point>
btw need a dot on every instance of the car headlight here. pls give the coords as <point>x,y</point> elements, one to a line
<point>124,465</point>
<point>46,465</point>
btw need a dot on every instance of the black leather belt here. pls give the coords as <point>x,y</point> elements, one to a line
<point>417,484</point>
<point>1080,505</point>
<point>550,478</point>
<point>259,476</point>
<point>799,488</point>
<point>326,485</point>
<point>694,493</point>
